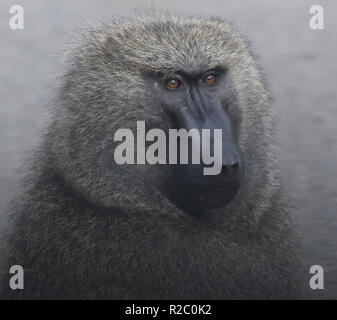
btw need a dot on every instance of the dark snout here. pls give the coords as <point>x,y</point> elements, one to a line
<point>209,184</point>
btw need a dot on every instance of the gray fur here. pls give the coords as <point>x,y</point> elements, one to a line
<point>88,228</point>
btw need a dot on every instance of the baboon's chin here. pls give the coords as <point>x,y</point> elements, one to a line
<point>204,199</point>
<point>198,193</point>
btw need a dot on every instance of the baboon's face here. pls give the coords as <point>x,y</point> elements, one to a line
<point>201,100</point>
<point>171,73</point>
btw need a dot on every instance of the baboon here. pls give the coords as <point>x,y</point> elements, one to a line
<point>89,228</point>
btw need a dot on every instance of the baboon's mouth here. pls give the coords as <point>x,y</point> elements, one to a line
<point>197,198</point>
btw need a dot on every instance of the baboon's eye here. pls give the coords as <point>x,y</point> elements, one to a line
<point>209,79</point>
<point>173,83</point>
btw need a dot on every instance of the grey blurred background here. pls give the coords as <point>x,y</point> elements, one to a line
<point>300,64</point>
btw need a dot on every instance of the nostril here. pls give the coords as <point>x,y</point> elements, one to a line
<point>235,165</point>
<point>232,166</point>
